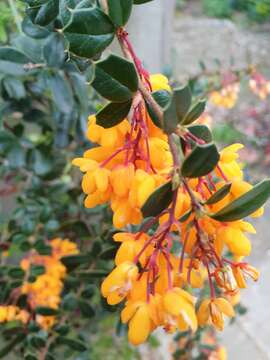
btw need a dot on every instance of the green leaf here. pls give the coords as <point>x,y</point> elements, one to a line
<point>92,274</point>
<point>159,200</point>
<point>54,51</point>
<point>12,61</point>
<point>89,32</point>
<point>115,79</point>
<point>86,309</point>
<point>73,344</point>
<point>119,11</point>
<point>109,253</point>
<point>201,161</point>
<point>42,162</point>
<point>138,2</point>
<point>46,311</point>
<point>177,108</point>
<point>112,114</point>
<point>183,101</point>
<point>16,273</point>
<point>194,113</point>
<point>66,6</point>
<point>14,87</point>
<point>44,14</point>
<point>34,31</point>
<point>61,92</point>
<point>219,195</point>
<point>186,215</point>
<point>246,204</point>
<point>162,97</point>
<point>73,261</point>
<point>6,349</point>
<point>201,131</point>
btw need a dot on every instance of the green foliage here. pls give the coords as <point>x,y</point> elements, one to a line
<point>217,8</point>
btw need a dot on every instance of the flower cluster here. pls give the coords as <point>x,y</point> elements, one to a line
<point>189,239</point>
<point>129,163</point>
<point>46,290</point>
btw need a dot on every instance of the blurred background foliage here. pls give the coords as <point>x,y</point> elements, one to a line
<point>255,10</point>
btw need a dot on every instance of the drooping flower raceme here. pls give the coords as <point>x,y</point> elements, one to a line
<point>141,170</point>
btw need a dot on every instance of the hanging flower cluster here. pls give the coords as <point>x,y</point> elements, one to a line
<point>45,291</point>
<point>152,162</point>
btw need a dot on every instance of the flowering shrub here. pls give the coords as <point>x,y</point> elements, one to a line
<point>178,203</point>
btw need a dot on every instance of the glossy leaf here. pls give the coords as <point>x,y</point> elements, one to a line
<point>183,101</point>
<point>54,51</point>
<point>138,2</point>
<point>12,61</point>
<point>246,204</point>
<point>46,311</point>
<point>194,113</point>
<point>162,97</point>
<point>219,194</point>
<point>201,131</point>
<point>201,161</point>
<point>44,14</point>
<point>159,200</point>
<point>119,11</point>
<point>112,114</point>
<point>115,79</point>
<point>175,112</point>
<point>33,30</point>
<point>73,344</point>
<point>89,32</point>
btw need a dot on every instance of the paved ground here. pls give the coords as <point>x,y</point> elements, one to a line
<point>249,338</point>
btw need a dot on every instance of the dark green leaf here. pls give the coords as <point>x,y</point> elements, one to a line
<point>246,204</point>
<point>89,32</point>
<point>201,161</point>
<point>46,311</point>
<point>6,349</point>
<point>112,114</point>
<point>73,344</point>
<point>34,31</point>
<point>12,61</point>
<point>109,253</point>
<point>170,118</point>
<point>201,131</point>
<point>37,270</point>
<point>66,6</point>
<point>72,261</point>
<point>16,273</point>
<point>119,11</point>
<point>159,200</point>
<point>44,14</point>
<point>194,113</point>
<point>186,215</point>
<point>138,2</point>
<point>86,309</point>
<point>162,97</point>
<point>92,274</point>
<point>183,98</point>
<point>219,195</point>
<point>54,51</point>
<point>115,79</point>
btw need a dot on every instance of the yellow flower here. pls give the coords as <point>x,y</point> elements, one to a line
<point>159,82</point>
<point>214,310</point>
<point>118,283</point>
<point>138,316</point>
<point>179,310</point>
